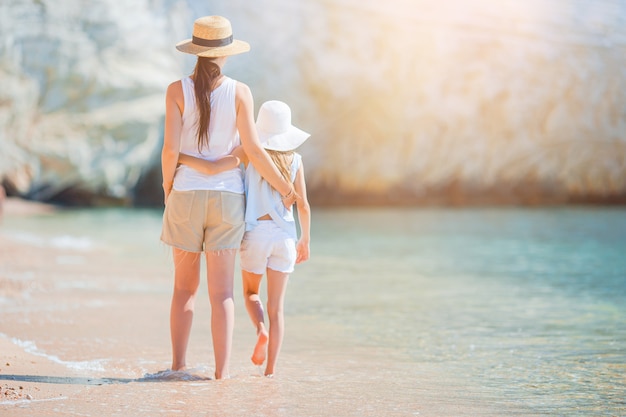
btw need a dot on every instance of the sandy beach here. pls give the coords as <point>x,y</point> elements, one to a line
<point>84,331</point>
<point>84,307</point>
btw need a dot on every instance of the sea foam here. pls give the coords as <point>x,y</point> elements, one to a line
<point>30,347</point>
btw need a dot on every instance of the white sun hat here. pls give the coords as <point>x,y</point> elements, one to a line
<point>275,130</point>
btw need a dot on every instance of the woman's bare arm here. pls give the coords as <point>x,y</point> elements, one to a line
<point>174,106</point>
<point>251,145</point>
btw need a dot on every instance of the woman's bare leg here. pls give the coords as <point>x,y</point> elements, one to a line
<point>220,279</point>
<point>276,289</point>
<point>251,284</point>
<point>186,282</point>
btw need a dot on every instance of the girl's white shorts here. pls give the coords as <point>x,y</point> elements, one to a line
<point>267,246</point>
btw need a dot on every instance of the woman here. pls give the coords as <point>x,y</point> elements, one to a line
<point>207,115</point>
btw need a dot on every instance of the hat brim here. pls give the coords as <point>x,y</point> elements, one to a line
<point>236,47</point>
<point>286,141</point>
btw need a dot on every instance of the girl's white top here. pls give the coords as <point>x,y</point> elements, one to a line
<point>223,138</point>
<point>262,199</point>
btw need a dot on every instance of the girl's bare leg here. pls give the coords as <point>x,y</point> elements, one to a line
<point>186,282</point>
<point>220,279</point>
<point>251,284</point>
<point>276,289</point>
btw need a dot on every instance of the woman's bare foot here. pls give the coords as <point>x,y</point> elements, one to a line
<point>258,356</point>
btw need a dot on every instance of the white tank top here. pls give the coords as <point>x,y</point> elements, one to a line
<point>223,138</point>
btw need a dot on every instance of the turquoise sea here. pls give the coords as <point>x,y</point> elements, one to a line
<point>524,309</point>
<point>528,303</point>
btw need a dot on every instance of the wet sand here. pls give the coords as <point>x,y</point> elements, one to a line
<point>85,332</point>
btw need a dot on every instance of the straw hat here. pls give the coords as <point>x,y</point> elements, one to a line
<point>275,129</point>
<point>212,37</point>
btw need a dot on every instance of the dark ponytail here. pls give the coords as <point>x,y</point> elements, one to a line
<point>205,74</point>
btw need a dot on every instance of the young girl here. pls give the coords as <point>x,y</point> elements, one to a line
<point>269,244</point>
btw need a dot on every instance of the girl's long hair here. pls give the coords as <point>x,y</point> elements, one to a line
<point>282,160</point>
<point>205,74</point>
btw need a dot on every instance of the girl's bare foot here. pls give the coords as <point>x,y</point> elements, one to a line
<point>258,356</point>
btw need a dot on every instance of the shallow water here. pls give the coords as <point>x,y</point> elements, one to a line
<point>529,303</point>
<point>510,311</point>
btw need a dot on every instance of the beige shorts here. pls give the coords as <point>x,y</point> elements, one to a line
<point>203,220</point>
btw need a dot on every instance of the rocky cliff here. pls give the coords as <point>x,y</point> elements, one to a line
<point>408,101</point>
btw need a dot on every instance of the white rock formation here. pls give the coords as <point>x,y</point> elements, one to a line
<point>81,92</point>
<point>407,100</point>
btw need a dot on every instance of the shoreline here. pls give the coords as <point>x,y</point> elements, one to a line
<point>329,198</point>
<point>21,377</point>
<point>84,328</point>
<point>16,206</point>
